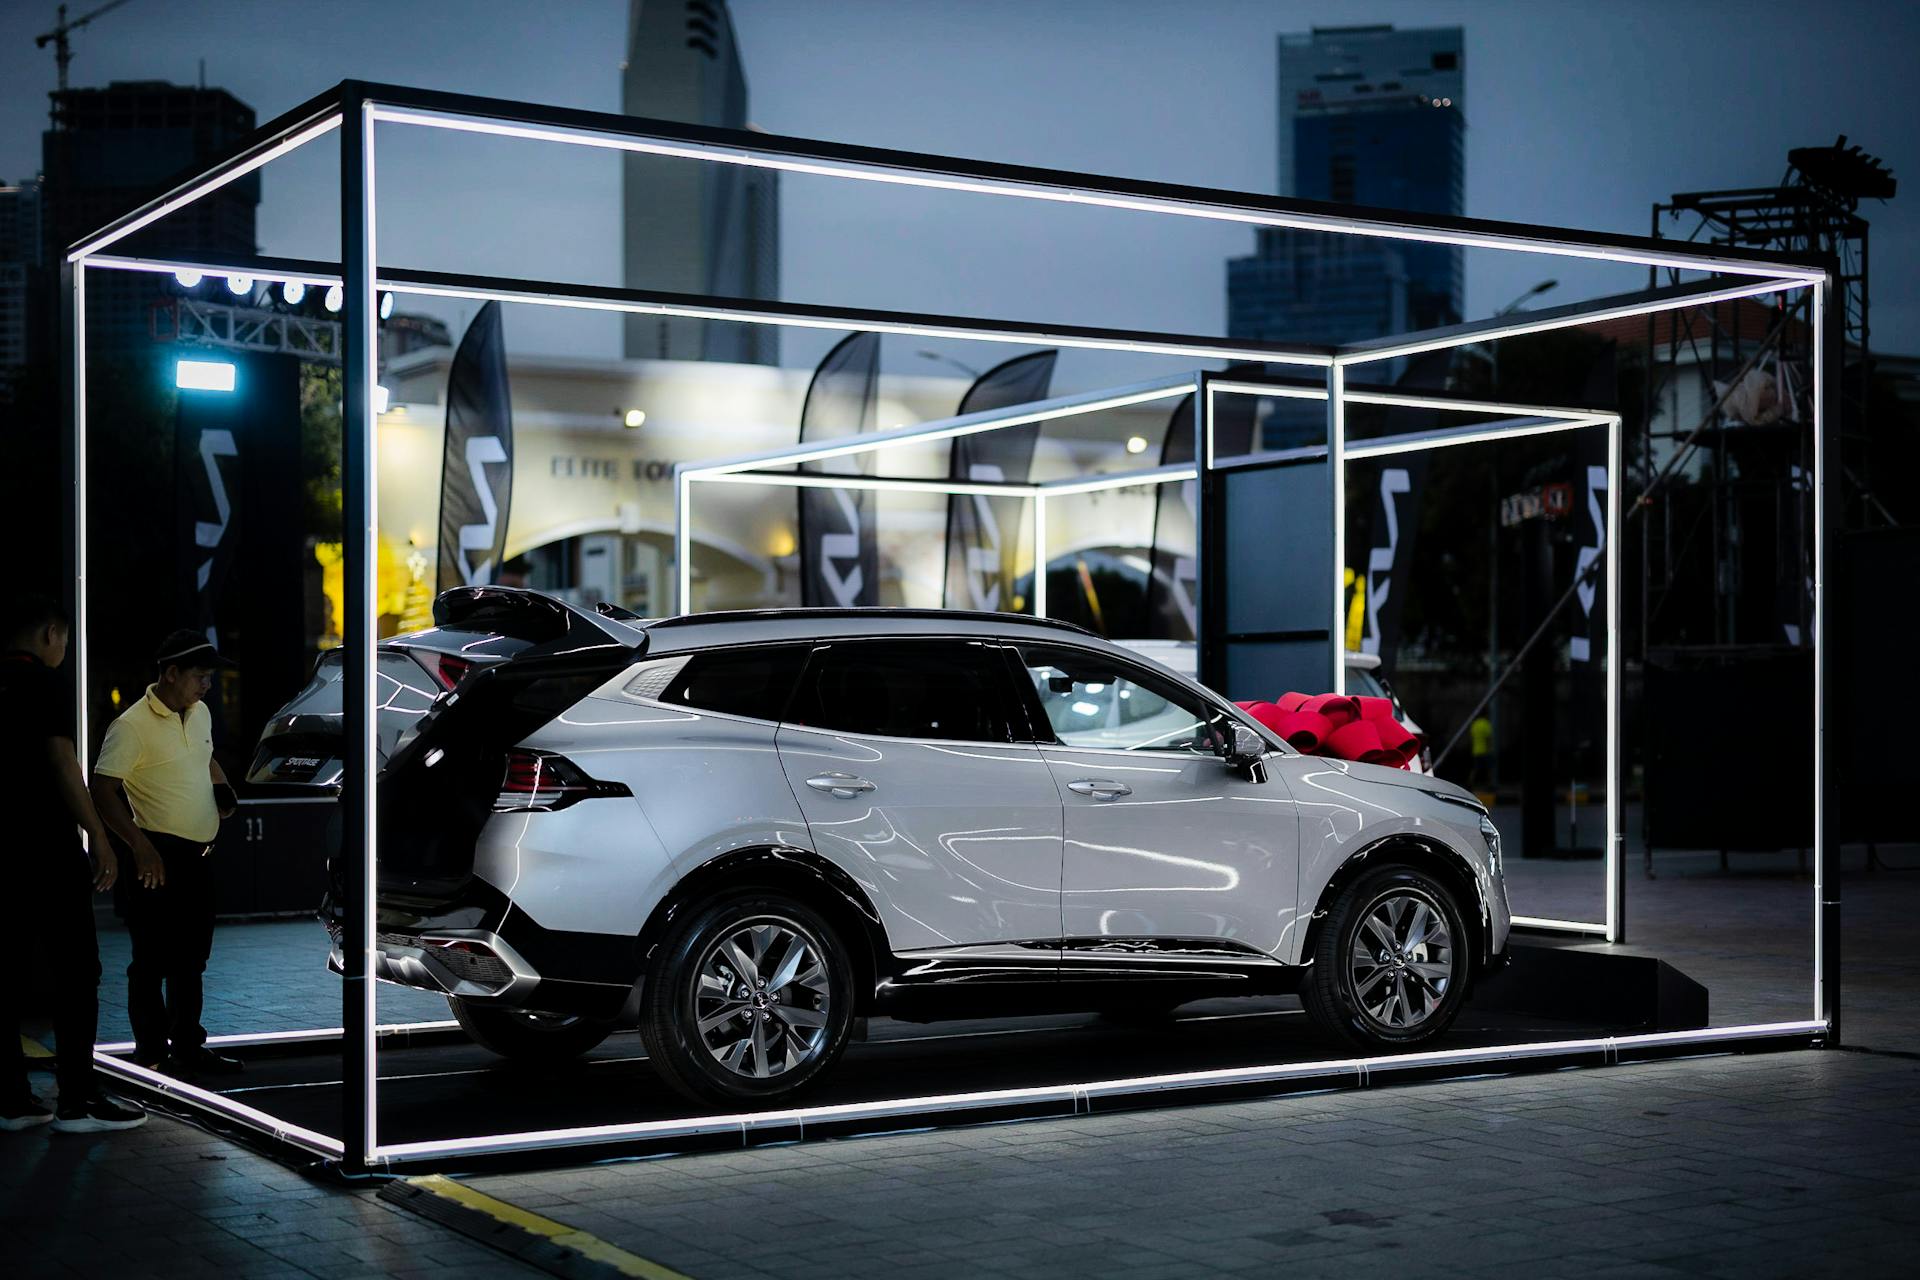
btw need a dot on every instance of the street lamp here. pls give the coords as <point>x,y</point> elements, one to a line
<point>967,369</point>
<point>1534,292</point>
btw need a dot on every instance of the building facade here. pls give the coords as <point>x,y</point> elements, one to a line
<point>20,257</point>
<point>111,149</point>
<point>691,227</point>
<point>1374,117</point>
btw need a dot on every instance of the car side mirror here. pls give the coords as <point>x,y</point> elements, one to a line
<point>1246,753</point>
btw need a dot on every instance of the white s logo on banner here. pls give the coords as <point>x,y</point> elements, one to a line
<point>479,537</point>
<point>213,445</point>
<point>835,547</point>
<point>1580,648</point>
<point>1393,480</point>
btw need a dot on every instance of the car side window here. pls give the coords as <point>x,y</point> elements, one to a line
<point>1091,702</point>
<point>756,682</point>
<point>950,690</point>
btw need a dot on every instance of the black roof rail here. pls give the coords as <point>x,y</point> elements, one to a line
<point>869,611</point>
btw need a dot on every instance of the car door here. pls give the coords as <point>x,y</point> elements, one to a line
<point>1172,855</point>
<point>913,766</point>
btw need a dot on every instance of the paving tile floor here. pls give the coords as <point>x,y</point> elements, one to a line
<point>1768,1165</point>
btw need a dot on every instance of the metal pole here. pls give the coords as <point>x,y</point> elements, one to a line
<point>1039,555</point>
<point>359,499</point>
<point>1616,670</point>
<point>73,317</point>
<point>1337,485</point>
<point>1829,321</point>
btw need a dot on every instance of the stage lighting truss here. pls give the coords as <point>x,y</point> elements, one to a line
<point>354,108</point>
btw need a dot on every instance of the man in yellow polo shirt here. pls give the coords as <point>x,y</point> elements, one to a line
<point>159,789</point>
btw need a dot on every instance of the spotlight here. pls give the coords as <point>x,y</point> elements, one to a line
<point>187,279</point>
<point>291,292</point>
<point>634,418</point>
<point>336,298</point>
<point>1136,444</point>
<point>240,285</point>
<point>203,375</point>
<point>386,305</point>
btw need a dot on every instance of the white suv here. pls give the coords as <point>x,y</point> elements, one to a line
<point>745,832</point>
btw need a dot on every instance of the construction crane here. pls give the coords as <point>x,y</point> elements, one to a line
<point>62,50</point>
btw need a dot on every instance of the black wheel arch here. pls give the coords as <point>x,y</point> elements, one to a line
<point>1422,853</point>
<point>806,875</point>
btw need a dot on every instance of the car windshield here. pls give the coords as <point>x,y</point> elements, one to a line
<point>1362,683</point>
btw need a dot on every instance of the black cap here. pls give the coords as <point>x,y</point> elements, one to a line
<point>187,648</point>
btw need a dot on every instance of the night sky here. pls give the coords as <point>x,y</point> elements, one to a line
<point>1577,114</point>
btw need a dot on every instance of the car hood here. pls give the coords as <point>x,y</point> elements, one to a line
<point>1402,778</point>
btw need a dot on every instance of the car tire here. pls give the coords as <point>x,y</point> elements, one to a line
<point>1391,961</point>
<point>524,1036</point>
<point>732,1014</point>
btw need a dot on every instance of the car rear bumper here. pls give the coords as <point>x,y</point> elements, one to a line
<point>472,964</point>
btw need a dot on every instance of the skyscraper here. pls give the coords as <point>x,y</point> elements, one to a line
<point>693,227</point>
<point>112,148</point>
<point>19,276</point>
<point>1368,116</point>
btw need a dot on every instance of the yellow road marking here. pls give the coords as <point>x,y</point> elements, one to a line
<point>581,1242</point>
<point>33,1048</point>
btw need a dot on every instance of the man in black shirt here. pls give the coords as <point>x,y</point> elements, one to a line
<point>50,878</point>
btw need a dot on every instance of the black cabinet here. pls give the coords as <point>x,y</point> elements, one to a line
<point>271,857</point>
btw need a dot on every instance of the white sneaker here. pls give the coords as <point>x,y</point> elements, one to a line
<point>97,1115</point>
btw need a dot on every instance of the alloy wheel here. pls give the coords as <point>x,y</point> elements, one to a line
<point>1401,964</point>
<point>762,996</point>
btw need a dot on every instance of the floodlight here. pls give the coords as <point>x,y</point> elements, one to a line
<point>386,305</point>
<point>336,298</point>
<point>635,418</point>
<point>1136,444</point>
<point>239,284</point>
<point>187,279</point>
<point>203,375</point>
<point>292,291</point>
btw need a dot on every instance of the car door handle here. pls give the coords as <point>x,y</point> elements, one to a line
<point>843,785</point>
<point>1100,788</point>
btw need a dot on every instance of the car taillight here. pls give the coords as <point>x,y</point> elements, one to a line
<point>540,782</point>
<point>452,670</point>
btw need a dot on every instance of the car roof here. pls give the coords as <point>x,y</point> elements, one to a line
<point>751,626</point>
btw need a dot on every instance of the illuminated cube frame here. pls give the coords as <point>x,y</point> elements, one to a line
<point>767,468</point>
<point>354,107</point>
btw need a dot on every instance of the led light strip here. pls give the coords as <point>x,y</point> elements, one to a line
<point>187,195</point>
<point>1386,445</point>
<point>1559,926</point>
<point>560,296</point>
<point>1077,1096</point>
<point>930,487</point>
<point>207,1100</point>
<point>312,1035</point>
<point>1335,224</point>
<point>1782,284</point>
<point>927,432</point>
<point>1122,480</point>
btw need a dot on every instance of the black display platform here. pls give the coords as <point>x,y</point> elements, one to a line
<point>437,1088</point>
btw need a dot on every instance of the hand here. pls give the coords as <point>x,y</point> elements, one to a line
<point>106,867</point>
<point>147,866</point>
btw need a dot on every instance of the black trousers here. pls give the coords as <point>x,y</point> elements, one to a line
<point>171,929</point>
<point>49,915</point>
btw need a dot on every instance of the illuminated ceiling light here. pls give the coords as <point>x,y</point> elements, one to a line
<point>292,291</point>
<point>1136,444</point>
<point>203,375</point>
<point>239,284</point>
<point>386,305</point>
<point>634,418</point>
<point>187,279</point>
<point>336,298</point>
